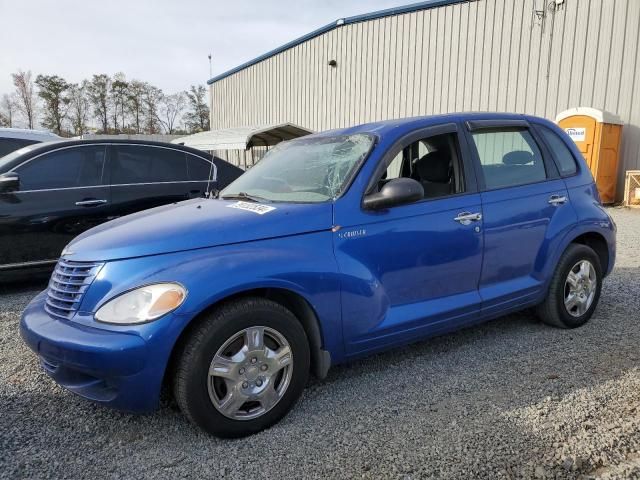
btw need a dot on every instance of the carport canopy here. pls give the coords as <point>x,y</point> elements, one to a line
<point>243,138</point>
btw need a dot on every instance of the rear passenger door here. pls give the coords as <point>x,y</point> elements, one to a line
<point>525,207</point>
<point>143,176</point>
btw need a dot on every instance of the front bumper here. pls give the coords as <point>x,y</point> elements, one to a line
<point>116,369</point>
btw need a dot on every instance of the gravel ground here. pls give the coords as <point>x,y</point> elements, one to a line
<point>508,399</point>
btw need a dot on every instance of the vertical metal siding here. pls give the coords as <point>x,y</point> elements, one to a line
<point>486,55</point>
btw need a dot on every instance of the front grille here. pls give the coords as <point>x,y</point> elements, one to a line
<point>67,286</point>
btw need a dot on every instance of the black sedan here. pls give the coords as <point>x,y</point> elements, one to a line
<point>52,192</point>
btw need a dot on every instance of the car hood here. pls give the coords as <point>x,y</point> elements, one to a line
<point>193,224</point>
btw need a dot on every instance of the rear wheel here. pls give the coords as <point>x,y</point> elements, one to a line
<point>242,368</point>
<point>574,290</point>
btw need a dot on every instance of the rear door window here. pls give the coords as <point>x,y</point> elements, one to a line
<point>134,164</point>
<point>565,160</point>
<point>508,158</point>
<point>80,166</point>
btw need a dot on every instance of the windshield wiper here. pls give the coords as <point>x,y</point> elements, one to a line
<point>244,196</point>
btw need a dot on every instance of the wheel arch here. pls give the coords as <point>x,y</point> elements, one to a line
<point>293,301</point>
<point>598,244</point>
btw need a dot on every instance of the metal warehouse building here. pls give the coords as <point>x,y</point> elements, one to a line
<point>530,56</point>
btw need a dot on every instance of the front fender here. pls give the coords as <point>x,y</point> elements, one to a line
<point>303,264</point>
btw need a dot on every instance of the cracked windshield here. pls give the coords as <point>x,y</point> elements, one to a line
<point>308,170</point>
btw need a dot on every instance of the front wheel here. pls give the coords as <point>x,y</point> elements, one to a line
<point>242,368</point>
<point>574,290</point>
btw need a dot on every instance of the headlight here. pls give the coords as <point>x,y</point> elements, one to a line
<point>142,304</point>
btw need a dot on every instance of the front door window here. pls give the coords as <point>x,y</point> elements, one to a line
<point>66,168</point>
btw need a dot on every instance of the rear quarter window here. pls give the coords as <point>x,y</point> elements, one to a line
<point>563,156</point>
<point>199,169</point>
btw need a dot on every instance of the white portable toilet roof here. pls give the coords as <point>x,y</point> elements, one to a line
<point>242,138</point>
<point>599,115</point>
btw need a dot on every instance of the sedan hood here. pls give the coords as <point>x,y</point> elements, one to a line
<point>197,223</point>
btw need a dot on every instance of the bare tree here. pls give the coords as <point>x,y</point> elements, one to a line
<point>197,117</point>
<point>98,89</point>
<point>135,103</point>
<point>54,91</point>
<point>8,106</point>
<point>79,107</point>
<point>26,96</point>
<point>171,107</point>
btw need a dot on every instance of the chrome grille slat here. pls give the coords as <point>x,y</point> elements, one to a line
<point>73,299</point>
<point>67,287</point>
<point>58,287</point>
<point>60,305</point>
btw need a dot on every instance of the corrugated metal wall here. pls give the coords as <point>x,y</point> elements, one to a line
<point>486,55</point>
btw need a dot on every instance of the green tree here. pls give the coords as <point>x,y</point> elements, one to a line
<point>54,91</point>
<point>98,89</point>
<point>152,98</point>
<point>197,116</point>
<point>119,96</point>
<point>135,103</point>
<point>79,107</point>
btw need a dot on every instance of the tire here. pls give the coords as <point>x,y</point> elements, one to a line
<point>553,310</point>
<point>241,397</point>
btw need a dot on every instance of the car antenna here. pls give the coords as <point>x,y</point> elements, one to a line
<point>209,193</point>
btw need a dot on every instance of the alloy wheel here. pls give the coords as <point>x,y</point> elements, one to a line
<point>250,373</point>
<point>580,288</point>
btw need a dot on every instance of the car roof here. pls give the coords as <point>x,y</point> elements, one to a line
<point>399,127</point>
<point>16,158</point>
<point>28,134</point>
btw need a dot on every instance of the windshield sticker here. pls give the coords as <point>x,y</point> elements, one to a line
<point>252,207</point>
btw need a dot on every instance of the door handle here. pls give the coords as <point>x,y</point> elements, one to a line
<point>556,200</point>
<point>465,218</point>
<point>90,203</point>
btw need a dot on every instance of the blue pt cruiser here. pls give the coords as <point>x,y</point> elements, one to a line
<point>334,246</point>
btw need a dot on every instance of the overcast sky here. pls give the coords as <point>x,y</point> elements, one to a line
<point>164,42</point>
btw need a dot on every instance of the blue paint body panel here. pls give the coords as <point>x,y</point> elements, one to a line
<point>373,279</point>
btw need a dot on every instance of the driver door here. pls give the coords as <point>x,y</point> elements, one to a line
<point>60,196</point>
<point>411,271</point>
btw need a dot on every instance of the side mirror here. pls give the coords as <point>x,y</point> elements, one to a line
<point>398,191</point>
<point>9,182</point>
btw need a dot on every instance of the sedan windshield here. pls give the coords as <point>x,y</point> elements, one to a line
<point>307,170</point>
